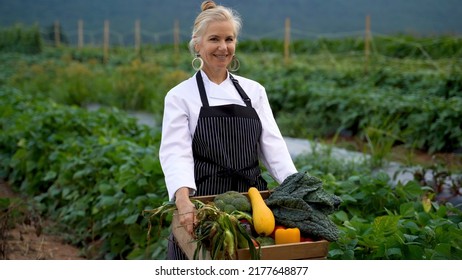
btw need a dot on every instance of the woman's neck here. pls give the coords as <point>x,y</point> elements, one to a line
<point>216,77</point>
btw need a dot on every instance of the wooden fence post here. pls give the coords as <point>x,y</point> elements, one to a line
<point>176,39</point>
<point>106,42</point>
<point>137,37</point>
<point>57,33</point>
<point>287,41</point>
<point>367,40</point>
<point>80,33</point>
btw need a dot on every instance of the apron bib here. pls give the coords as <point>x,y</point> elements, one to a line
<point>225,146</point>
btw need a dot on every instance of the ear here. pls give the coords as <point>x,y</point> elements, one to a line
<point>196,44</point>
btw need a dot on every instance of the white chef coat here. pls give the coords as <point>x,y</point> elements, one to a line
<point>181,111</point>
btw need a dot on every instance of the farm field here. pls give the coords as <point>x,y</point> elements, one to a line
<point>96,171</point>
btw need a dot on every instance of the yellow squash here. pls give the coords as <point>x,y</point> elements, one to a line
<point>262,216</point>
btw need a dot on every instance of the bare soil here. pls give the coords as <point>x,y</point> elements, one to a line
<point>29,238</point>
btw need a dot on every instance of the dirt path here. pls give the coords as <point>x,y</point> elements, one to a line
<point>30,239</point>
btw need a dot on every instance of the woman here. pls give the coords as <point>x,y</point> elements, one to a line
<point>217,126</point>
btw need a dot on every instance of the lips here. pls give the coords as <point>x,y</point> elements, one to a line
<point>221,56</point>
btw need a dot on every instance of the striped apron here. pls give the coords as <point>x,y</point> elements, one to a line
<point>225,150</point>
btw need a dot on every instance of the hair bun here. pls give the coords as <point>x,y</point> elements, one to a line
<point>208,5</point>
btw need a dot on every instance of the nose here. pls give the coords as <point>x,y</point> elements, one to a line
<point>222,45</point>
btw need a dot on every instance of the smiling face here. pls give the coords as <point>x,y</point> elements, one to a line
<point>216,47</point>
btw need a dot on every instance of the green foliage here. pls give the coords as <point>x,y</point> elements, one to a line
<point>400,46</point>
<point>97,171</point>
<point>129,84</point>
<point>93,171</point>
<point>416,104</point>
<point>324,89</point>
<point>382,139</point>
<point>21,39</point>
<point>380,221</point>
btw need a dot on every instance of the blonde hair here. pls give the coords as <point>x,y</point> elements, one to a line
<point>212,12</point>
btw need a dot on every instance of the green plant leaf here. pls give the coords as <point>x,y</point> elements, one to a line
<point>443,251</point>
<point>341,215</point>
<point>394,252</point>
<point>131,219</point>
<point>385,225</point>
<point>407,210</point>
<point>50,175</point>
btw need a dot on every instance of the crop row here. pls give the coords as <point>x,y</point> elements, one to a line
<point>416,102</point>
<point>327,88</point>
<point>418,106</point>
<point>95,173</point>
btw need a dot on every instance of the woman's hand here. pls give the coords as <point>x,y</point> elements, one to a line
<point>186,209</point>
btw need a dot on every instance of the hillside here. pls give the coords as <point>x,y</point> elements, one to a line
<point>262,18</point>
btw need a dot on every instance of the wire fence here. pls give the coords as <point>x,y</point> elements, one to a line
<point>364,42</point>
<point>94,37</point>
<point>110,37</point>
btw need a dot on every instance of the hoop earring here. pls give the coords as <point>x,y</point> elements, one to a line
<point>194,62</point>
<point>235,64</point>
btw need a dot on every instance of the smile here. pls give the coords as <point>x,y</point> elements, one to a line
<point>221,56</point>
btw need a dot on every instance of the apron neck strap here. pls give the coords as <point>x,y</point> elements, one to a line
<point>242,93</point>
<point>200,84</point>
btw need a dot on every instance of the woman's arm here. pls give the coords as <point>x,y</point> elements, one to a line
<point>273,149</point>
<point>175,151</point>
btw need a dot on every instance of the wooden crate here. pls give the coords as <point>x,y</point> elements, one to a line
<point>293,251</point>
